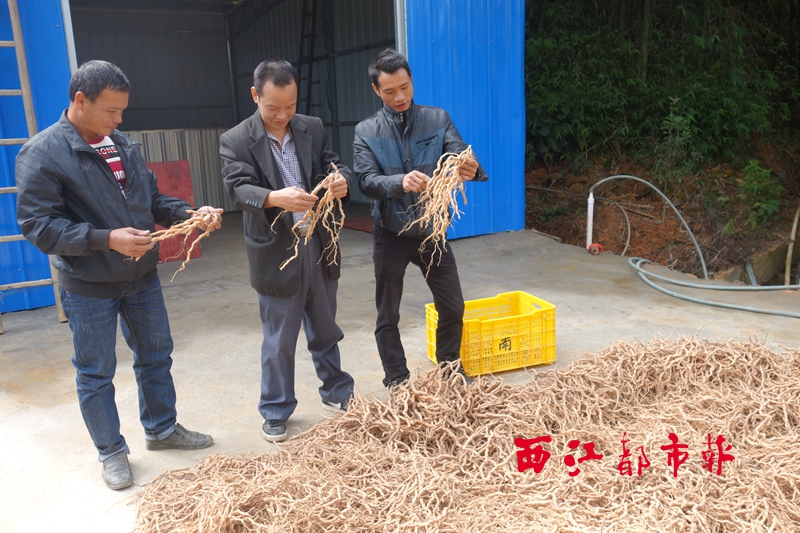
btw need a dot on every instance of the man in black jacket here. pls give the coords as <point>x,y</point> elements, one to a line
<point>272,161</point>
<point>395,152</point>
<point>86,196</point>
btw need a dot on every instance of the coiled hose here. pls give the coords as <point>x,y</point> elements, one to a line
<point>637,262</point>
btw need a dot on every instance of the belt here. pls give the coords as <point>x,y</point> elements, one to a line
<point>302,231</point>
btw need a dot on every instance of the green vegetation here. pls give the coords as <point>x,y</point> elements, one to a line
<point>761,192</point>
<point>680,82</point>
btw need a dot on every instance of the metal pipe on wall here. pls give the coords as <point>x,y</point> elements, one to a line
<point>400,26</point>
<point>233,85</point>
<point>69,36</point>
<point>331,62</point>
<point>231,72</point>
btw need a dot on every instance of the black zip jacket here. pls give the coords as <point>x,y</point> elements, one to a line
<point>387,146</point>
<point>68,201</point>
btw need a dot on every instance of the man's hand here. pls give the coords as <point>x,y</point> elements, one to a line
<point>130,242</point>
<point>292,199</point>
<point>469,169</point>
<point>415,181</point>
<point>210,223</point>
<point>338,186</point>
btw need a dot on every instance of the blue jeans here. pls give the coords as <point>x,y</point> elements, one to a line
<point>145,326</point>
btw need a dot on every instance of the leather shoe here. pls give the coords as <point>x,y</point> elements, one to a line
<point>449,370</point>
<point>181,439</point>
<point>117,471</point>
<point>274,430</point>
<point>335,407</point>
<point>389,383</point>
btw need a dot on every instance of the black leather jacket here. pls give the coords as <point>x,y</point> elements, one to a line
<point>68,201</point>
<point>387,146</point>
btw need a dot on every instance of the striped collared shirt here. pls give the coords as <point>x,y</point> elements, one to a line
<point>286,158</point>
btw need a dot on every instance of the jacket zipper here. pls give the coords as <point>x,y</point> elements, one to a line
<point>122,190</point>
<point>407,163</point>
<point>107,171</point>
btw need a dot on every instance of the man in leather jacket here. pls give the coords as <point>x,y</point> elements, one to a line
<point>86,197</point>
<point>395,154</point>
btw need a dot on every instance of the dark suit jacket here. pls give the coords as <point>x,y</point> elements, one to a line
<point>250,173</point>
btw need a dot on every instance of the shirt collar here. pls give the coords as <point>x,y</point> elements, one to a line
<point>286,138</point>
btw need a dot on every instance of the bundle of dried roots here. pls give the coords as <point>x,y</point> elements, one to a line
<point>323,212</point>
<point>438,199</point>
<point>198,221</point>
<point>438,456</point>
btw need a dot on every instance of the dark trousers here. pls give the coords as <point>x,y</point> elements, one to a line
<point>391,255</point>
<point>313,306</point>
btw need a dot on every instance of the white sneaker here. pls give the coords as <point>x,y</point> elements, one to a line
<point>335,407</point>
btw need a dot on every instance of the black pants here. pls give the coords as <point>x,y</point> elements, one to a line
<point>391,255</point>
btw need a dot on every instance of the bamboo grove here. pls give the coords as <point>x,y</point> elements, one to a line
<point>627,75</point>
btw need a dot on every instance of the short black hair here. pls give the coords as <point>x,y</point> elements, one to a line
<point>388,61</point>
<point>94,76</point>
<point>277,71</point>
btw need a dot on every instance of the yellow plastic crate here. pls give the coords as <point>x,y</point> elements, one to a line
<point>511,330</point>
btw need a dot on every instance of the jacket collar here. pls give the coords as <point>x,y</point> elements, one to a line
<point>78,143</point>
<point>406,116</point>
<point>302,145</point>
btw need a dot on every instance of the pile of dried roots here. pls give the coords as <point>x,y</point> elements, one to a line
<point>186,228</point>
<point>324,212</point>
<point>438,456</point>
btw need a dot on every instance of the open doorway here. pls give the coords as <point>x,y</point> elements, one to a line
<point>190,63</point>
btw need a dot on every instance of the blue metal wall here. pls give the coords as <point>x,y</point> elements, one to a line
<point>45,45</point>
<point>466,56</point>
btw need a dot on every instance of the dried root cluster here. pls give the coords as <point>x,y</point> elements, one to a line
<point>324,212</point>
<point>198,221</point>
<point>438,199</point>
<point>438,456</point>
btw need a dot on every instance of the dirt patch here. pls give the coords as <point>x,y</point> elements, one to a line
<point>557,205</point>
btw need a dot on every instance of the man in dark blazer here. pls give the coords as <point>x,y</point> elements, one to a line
<point>271,162</point>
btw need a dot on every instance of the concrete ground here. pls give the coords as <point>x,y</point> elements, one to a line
<point>49,474</point>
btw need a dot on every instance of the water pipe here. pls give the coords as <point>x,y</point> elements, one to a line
<point>636,263</point>
<point>748,266</point>
<point>591,207</point>
<point>680,217</point>
<point>589,220</point>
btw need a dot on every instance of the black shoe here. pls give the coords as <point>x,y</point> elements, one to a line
<point>449,369</point>
<point>467,380</point>
<point>274,430</point>
<point>181,439</point>
<point>117,471</point>
<point>389,383</point>
<point>336,407</point>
